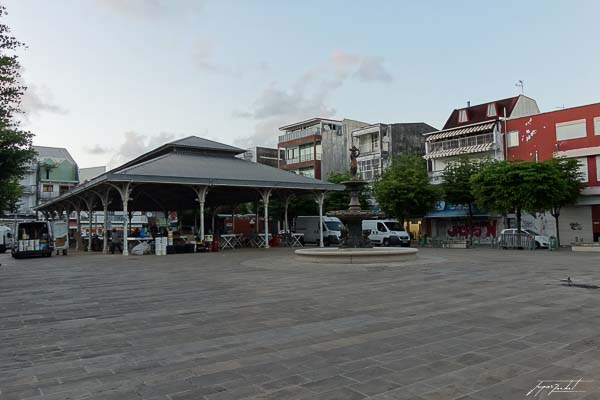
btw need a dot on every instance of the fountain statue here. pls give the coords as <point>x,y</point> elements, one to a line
<point>353,235</point>
<point>355,247</point>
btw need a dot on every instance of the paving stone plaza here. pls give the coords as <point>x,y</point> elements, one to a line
<point>469,324</point>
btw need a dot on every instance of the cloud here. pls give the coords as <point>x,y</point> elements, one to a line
<point>97,149</point>
<point>308,96</point>
<point>37,100</point>
<point>371,69</point>
<point>153,8</point>
<point>204,60</point>
<point>135,144</point>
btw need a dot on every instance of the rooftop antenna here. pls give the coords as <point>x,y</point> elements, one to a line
<point>521,84</point>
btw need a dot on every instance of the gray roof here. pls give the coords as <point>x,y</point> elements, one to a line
<point>197,164</point>
<point>215,170</point>
<point>201,143</point>
<point>53,152</point>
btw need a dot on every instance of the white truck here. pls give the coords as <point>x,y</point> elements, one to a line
<point>309,226</point>
<point>386,232</point>
<point>6,239</point>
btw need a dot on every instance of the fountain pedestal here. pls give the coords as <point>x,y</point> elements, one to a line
<point>352,218</point>
<point>355,247</point>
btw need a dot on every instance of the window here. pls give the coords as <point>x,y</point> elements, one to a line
<point>306,153</point>
<point>598,168</point>
<point>48,188</point>
<point>319,150</point>
<point>512,139</point>
<point>375,141</point>
<point>63,189</point>
<point>292,154</point>
<point>583,168</point>
<point>491,110</point>
<point>368,169</point>
<point>570,130</point>
<point>47,173</point>
<point>308,172</point>
<point>597,126</point>
<point>462,116</point>
<point>381,227</point>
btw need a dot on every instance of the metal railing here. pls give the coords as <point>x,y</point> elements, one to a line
<point>300,134</point>
<point>461,142</point>
<point>516,241</point>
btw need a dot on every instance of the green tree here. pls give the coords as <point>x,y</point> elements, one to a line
<point>457,186</point>
<point>503,186</point>
<point>566,187</point>
<point>15,144</point>
<point>404,190</point>
<point>339,200</point>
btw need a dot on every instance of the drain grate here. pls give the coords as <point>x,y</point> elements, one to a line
<point>569,282</point>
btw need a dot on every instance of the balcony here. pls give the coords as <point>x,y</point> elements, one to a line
<point>462,142</point>
<point>436,177</point>
<point>465,145</point>
<point>312,131</point>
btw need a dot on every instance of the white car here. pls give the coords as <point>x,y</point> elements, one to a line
<point>540,240</point>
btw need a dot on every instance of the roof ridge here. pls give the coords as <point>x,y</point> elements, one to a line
<point>144,162</point>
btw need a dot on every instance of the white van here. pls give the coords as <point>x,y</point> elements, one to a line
<point>386,232</point>
<point>33,238</point>
<point>6,238</point>
<point>309,226</point>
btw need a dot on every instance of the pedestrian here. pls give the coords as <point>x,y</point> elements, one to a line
<point>116,242</point>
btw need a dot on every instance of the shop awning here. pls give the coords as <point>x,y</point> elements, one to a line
<point>479,128</point>
<point>478,148</point>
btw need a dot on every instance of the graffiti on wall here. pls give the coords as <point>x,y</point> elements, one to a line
<point>482,229</point>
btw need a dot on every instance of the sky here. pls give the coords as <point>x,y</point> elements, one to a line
<point>111,79</point>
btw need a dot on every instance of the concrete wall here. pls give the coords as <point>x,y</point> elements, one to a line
<point>408,138</point>
<point>334,149</point>
<point>575,222</point>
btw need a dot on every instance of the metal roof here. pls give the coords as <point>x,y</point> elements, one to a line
<point>482,127</point>
<point>308,122</point>
<point>189,164</point>
<point>215,170</point>
<point>53,152</point>
<point>201,143</point>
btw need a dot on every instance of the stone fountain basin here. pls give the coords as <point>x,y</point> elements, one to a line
<point>375,255</point>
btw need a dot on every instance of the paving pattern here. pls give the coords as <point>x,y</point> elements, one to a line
<point>254,324</point>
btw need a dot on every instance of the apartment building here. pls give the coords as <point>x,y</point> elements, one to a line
<point>477,132</point>
<point>53,173</point>
<point>569,133</point>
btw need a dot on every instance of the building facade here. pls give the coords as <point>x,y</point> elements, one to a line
<point>569,133</point>
<point>335,157</point>
<point>264,155</point>
<point>302,146</point>
<point>53,173</point>
<point>380,143</point>
<point>477,132</point>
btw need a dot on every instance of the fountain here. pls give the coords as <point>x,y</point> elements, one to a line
<point>355,247</point>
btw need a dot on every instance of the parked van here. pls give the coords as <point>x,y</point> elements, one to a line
<point>33,239</point>
<point>309,226</point>
<point>386,232</point>
<point>6,239</point>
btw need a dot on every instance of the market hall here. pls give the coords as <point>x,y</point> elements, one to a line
<point>190,173</point>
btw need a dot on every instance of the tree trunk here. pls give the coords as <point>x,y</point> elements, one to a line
<point>519,220</point>
<point>471,223</point>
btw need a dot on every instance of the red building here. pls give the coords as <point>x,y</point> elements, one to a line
<point>570,133</point>
<point>301,145</point>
